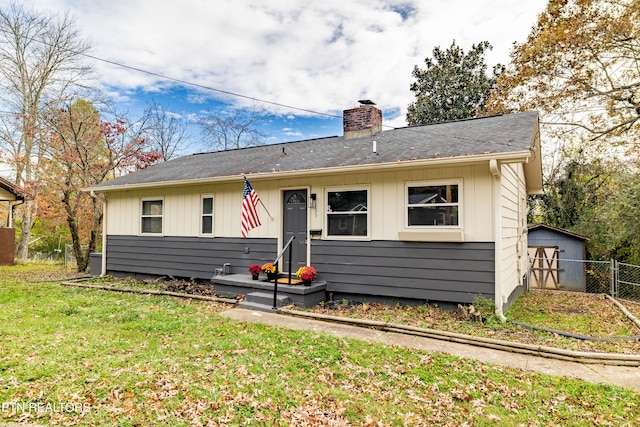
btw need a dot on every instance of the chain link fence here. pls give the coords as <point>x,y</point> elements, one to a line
<point>70,257</point>
<point>602,277</point>
<point>598,276</point>
<point>627,281</point>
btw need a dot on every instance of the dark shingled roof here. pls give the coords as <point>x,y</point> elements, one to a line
<point>481,136</point>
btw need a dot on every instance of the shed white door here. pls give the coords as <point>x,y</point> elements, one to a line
<point>545,272</point>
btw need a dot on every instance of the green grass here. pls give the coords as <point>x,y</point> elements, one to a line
<point>580,313</point>
<point>137,360</point>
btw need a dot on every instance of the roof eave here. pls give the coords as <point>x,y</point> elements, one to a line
<point>516,156</point>
<point>11,188</point>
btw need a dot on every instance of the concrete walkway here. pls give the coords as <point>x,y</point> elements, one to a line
<point>606,374</point>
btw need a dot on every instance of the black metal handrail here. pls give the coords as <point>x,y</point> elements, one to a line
<point>275,262</point>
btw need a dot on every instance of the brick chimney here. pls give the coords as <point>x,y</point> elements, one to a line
<point>363,121</point>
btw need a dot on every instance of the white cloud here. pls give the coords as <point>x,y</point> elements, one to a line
<point>294,134</point>
<point>321,56</point>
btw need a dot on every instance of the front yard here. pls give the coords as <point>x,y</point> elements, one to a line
<point>591,315</point>
<point>130,360</point>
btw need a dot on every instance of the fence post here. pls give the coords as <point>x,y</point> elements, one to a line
<point>614,279</point>
<point>617,281</point>
<point>611,269</point>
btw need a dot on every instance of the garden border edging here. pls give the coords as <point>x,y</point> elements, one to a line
<point>508,346</point>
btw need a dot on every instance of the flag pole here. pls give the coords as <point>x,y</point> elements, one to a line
<point>265,208</point>
<point>260,200</point>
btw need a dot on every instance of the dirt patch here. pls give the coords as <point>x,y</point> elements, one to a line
<point>195,288</point>
<point>562,309</point>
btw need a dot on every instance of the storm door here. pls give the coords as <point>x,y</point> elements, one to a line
<point>295,224</point>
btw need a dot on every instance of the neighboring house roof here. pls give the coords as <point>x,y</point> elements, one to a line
<point>507,136</point>
<point>11,188</point>
<point>533,227</point>
<point>423,199</point>
<point>355,207</point>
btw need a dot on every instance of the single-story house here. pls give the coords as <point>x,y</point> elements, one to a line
<point>422,213</point>
<point>557,258</point>
<point>9,196</point>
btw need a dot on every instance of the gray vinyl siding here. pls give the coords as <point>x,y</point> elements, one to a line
<point>454,272</point>
<point>188,257</point>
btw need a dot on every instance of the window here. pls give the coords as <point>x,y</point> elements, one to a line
<point>347,213</point>
<point>152,216</point>
<point>206,222</point>
<point>433,205</point>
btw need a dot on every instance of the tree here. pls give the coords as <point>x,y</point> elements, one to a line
<point>41,57</point>
<point>453,86</point>
<point>166,132</point>
<point>572,192</point>
<point>236,129</point>
<point>580,66</point>
<point>84,151</point>
<point>620,220</point>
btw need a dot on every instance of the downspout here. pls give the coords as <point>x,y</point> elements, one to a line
<point>11,207</point>
<point>494,167</point>
<point>103,267</point>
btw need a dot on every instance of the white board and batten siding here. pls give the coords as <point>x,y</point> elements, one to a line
<point>386,192</point>
<point>513,211</point>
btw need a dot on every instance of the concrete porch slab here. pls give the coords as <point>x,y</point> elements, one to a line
<point>243,284</point>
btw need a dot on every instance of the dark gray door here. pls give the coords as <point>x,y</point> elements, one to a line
<point>295,224</point>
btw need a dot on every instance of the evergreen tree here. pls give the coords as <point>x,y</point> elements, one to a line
<point>453,86</point>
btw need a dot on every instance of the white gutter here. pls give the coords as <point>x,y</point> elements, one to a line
<point>516,156</point>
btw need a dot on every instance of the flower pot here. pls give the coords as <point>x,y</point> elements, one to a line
<point>271,276</point>
<point>254,276</point>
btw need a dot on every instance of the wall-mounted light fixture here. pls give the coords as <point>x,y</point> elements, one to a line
<point>312,203</point>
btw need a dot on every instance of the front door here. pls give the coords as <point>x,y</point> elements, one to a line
<point>295,224</point>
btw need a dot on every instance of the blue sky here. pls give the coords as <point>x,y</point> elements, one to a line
<point>315,56</point>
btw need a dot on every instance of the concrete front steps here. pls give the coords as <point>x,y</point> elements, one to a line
<point>263,301</point>
<point>242,284</point>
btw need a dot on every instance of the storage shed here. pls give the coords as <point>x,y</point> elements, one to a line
<point>556,258</point>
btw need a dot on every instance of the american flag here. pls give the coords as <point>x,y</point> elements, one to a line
<point>249,213</point>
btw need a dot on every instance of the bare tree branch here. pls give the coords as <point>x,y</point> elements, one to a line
<point>237,129</point>
<point>41,57</point>
<point>167,132</point>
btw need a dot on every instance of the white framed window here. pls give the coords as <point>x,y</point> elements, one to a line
<point>206,215</point>
<point>151,216</point>
<point>434,204</point>
<point>348,213</point>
